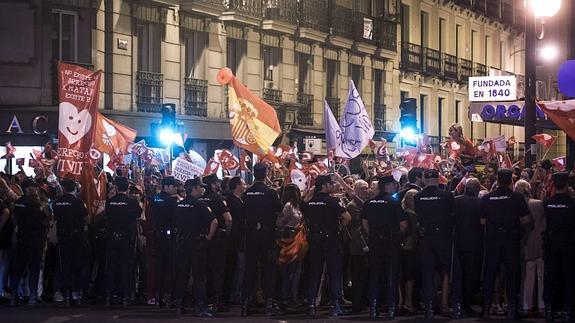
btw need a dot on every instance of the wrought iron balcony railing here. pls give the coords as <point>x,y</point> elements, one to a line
<point>305,114</point>
<point>272,95</point>
<point>196,97</point>
<point>334,104</point>
<point>149,97</point>
<point>465,70</point>
<point>493,9</point>
<point>385,32</point>
<point>252,8</point>
<point>480,70</point>
<point>411,58</point>
<point>55,92</point>
<point>432,62</point>
<point>341,21</point>
<point>379,117</point>
<point>313,14</point>
<point>285,11</point>
<point>450,67</point>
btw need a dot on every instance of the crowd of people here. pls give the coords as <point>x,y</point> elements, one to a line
<point>489,241</point>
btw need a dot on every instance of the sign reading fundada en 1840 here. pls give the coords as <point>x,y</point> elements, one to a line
<point>492,88</point>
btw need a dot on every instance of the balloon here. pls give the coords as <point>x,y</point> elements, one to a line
<point>566,78</point>
<point>224,76</point>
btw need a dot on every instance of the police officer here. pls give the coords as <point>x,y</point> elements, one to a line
<point>195,226</point>
<point>503,211</point>
<point>559,249</point>
<point>434,208</point>
<point>325,216</point>
<point>263,206</point>
<point>123,213</point>
<point>163,208</point>
<point>72,228</point>
<point>31,217</point>
<point>217,247</point>
<point>237,240</point>
<point>383,219</point>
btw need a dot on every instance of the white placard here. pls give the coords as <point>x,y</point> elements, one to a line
<point>313,146</point>
<point>492,88</point>
<point>183,170</point>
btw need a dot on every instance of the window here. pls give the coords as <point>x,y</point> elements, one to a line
<point>271,62</point>
<point>474,41</point>
<point>405,23</point>
<point>424,20</point>
<point>149,47</point>
<point>403,95</point>
<point>457,110</point>
<point>235,54</point>
<point>304,74</point>
<point>488,51</point>
<point>422,103</point>
<point>458,41</point>
<point>439,116</point>
<point>331,74</point>
<point>356,76</point>
<point>65,35</point>
<point>196,43</point>
<point>502,63</point>
<point>442,38</point>
<point>378,86</point>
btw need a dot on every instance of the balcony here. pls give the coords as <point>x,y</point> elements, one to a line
<point>313,15</point>
<point>272,95</point>
<point>341,21</point>
<point>379,117</point>
<point>196,97</point>
<point>385,33</point>
<point>280,16</point>
<point>432,62</point>
<point>411,57</point>
<point>450,67</point>
<point>305,114</point>
<point>55,91</point>
<point>493,9</point>
<point>149,97</point>
<point>465,70</point>
<point>247,12</point>
<point>507,14</point>
<point>480,70</point>
<point>212,8</point>
<point>334,104</point>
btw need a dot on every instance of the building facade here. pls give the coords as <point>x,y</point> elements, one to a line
<point>293,53</point>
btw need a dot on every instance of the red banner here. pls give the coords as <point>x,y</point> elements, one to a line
<point>79,90</point>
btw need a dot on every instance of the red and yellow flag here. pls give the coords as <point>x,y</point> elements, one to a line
<point>112,137</point>
<point>255,125</point>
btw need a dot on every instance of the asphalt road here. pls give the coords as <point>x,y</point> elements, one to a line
<point>51,313</point>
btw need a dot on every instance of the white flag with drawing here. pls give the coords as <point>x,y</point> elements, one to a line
<point>355,124</point>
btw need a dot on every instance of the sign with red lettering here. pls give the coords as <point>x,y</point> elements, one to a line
<point>79,92</point>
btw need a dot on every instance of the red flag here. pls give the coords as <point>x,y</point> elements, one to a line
<point>408,154</point>
<point>255,125</point>
<point>422,144</point>
<point>228,160</point>
<point>10,150</point>
<point>88,181</point>
<point>244,159</point>
<point>306,156</point>
<point>454,148</point>
<point>79,91</point>
<point>212,167</point>
<point>546,140</point>
<point>372,145</point>
<point>560,163</point>
<point>505,161</point>
<point>562,113</point>
<point>511,141</point>
<point>20,161</point>
<point>112,137</point>
<point>487,150</point>
<point>425,161</point>
<point>381,152</point>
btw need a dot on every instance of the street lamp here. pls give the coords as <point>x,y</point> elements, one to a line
<point>535,11</point>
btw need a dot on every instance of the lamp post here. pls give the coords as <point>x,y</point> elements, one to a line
<point>536,10</point>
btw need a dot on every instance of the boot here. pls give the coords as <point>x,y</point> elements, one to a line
<point>180,309</point>
<point>33,301</point>
<point>568,317</point>
<point>485,309</point>
<point>457,313</point>
<point>202,311</point>
<point>245,307</point>
<point>269,306</point>
<point>391,311</point>
<point>67,298</point>
<point>373,309</point>
<point>429,311</point>
<point>512,313</point>
<point>80,300</point>
<point>335,310</point>
<point>159,301</point>
<point>108,301</point>
<point>548,314</point>
<point>125,302</point>
<point>311,310</point>
<point>13,300</point>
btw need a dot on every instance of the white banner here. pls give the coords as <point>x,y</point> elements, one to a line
<point>492,88</point>
<point>183,170</point>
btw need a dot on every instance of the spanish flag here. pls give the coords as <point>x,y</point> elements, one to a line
<point>254,123</point>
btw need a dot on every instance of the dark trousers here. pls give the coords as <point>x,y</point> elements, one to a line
<point>502,249</point>
<point>74,262</point>
<point>325,250</point>
<point>359,274</point>
<point>217,249</point>
<point>470,272</point>
<point>290,278</point>
<point>260,249</point>
<point>191,254</point>
<point>165,269</point>
<point>436,251</point>
<point>558,276</point>
<point>384,269</point>
<point>28,254</point>
<point>120,269</point>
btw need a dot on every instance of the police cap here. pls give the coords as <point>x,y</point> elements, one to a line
<point>169,180</point>
<point>68,184</point>
<point>194,182</point>
<point>560,179</point>
<point>28,183</point>
<point>322,179</point>
<point>210,179</point>
<point>385,179</point>
<point>122,183</point>
<point>505,174</point>
<point>260,166</point>
<point>431,173</point>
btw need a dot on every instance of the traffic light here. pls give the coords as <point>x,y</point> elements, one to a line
<point>408,121</point>
<point>168,131</point>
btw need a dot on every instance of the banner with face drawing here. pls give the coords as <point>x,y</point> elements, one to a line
<point>79,90</point>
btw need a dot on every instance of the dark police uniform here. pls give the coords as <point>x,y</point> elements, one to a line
<point>559,246</point>
<point>193,218</point>
<point>70,214</point>
<point>434,208</point>
<point>163,208</point>
<point>217,247</point>
<point>236,247</point>
<point>32,224</point>
<point>502,209</point>
<point>263,206</point>
<point>322,214</point>
<point>123,213</point>
<point>383,214</point>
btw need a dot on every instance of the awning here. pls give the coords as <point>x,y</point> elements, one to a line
<point>510,113</point>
